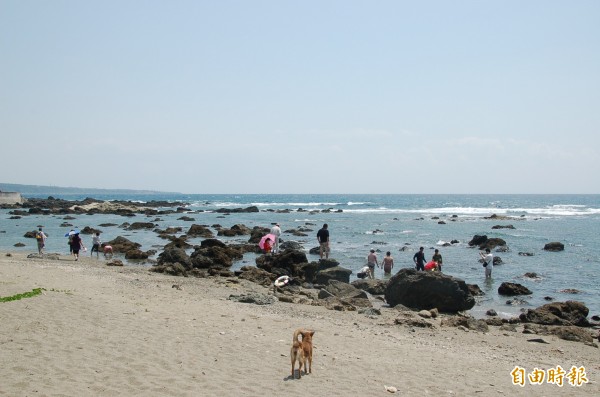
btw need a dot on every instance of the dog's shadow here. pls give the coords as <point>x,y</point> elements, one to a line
<point>295,377</point>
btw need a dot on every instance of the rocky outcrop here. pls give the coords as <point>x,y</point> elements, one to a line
<point>252,208</point>
<point>374,287</point>
<point>558,313</point>
<point>213,253</point>
<point>484,242</point>
<point>235,230</point>
<point>258,276</point>
<point>199,231</point>
<point>329,270</point>
<point>513,289</point>
<point>554,247</point>
<point>338,293</point>
<point>570,333</point>
<point>141,225</point>
<point>428,290</point>
<point>122,245</point>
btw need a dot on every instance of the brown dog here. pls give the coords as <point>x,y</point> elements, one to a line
<point>301,351</point>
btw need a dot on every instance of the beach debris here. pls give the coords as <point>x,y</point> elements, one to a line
<point>177,286</point>
<point>390,389</point>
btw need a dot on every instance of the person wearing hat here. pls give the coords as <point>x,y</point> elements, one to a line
<point>276,231</point>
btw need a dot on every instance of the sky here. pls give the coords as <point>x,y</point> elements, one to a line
<point>302,96</point>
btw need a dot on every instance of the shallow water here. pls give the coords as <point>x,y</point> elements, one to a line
<point>389,223</point>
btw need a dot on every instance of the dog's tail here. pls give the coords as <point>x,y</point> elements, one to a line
<point>297,332</point>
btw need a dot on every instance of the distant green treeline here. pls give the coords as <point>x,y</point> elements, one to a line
<point>57,190</point>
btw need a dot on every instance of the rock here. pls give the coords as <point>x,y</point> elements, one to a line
<point>136,254</point>
<point>525,254</point>
<point>89,230</point>
<point>19,245</point>
<point>484,242</point>
<point>428,290</point>
<point>175,255</point>
<point>413,322</point>
<point>256,275</point>
<point>333,273</point>
<point>122,245</point>
<point>554,247</point>
<point>569,291</point>
<point>114,262</point>
<point>214,254</point>
<point>374,287</point>
<point>531,275</point>
<point>477,240</point>
<point>513,289</point>
<point>558,313</point>
<point>425,313</point>
<point>237,210</point>
<point>495,321</point>
<point>236,230</point>
<point>199,231</point>
<point>174,269</point>
<point>570,333</point>
<point>141,225</point>
<point>291,245</point>
<point>503,227</point>
<point>475,290</point>
<point>186,218</point>
<point>467,322</point>
<point>286,263</point>
<point>491,312</point>
<point>434,312</point>
<point>255,298</point>
<point>345,290</point>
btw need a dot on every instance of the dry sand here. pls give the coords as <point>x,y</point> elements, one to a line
<point>107,331</point>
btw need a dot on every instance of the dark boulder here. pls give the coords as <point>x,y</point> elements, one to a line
<point>199,231</point>
<point>175,255</point>
<point>428,290</point>
<point>256,275</point>
<point>374,287</point>
<point>122,245</point>
<point>257,233</point>
<point>136,254</point>
<point>235,230</point>
<point>554,247</point>
<point>333,273</point>
<point>558,313</point>
<point>484,242</point>
<point>89,230</point>
<point>219,256</point>
<point>291,245</point>
<point>475,290</point>
<point>141,225</point>
<point>477,240</point>
<point>339,294</point>
<point>513,289</point>
<point>285,260</point>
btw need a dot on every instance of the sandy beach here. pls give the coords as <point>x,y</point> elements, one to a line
<point>124,331</point>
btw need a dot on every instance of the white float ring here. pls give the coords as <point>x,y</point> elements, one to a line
<point>281,281</point>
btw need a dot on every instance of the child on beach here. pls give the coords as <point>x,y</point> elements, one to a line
<point>267,246</point>
<point>96,245</point>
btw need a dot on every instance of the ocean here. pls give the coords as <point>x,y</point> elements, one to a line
<point>396,223</point>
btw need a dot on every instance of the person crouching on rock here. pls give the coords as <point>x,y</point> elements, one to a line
<point>267,246</point>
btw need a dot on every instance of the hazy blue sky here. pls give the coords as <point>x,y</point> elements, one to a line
<point>302,96</point>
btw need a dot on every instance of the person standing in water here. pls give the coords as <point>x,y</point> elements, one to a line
<point>437,257</point>
<point>388,264</point>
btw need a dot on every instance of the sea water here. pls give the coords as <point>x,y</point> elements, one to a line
<point>396,223</point>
